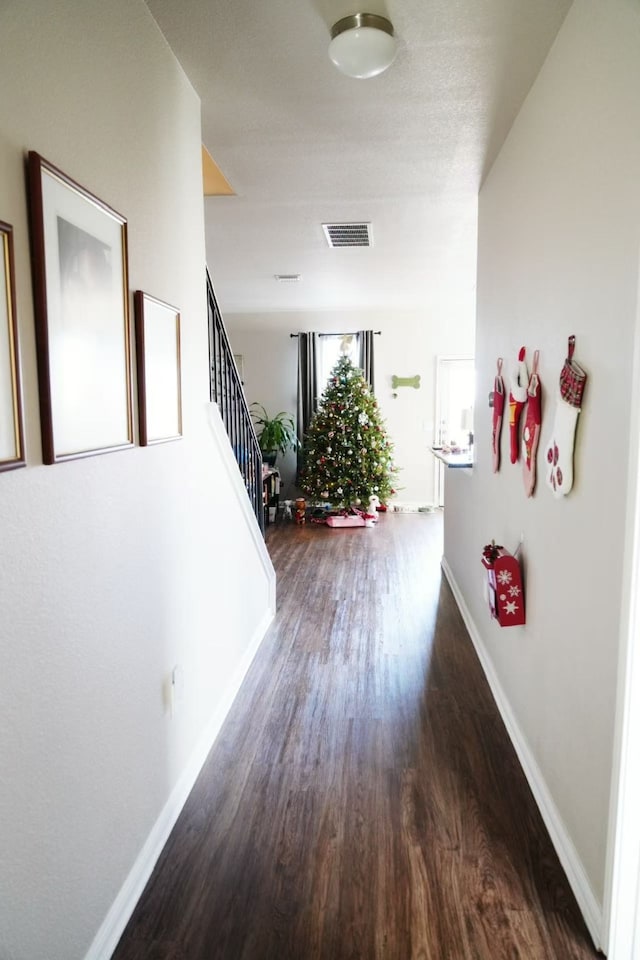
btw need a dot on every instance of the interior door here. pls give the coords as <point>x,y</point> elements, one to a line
<point>455,391</point>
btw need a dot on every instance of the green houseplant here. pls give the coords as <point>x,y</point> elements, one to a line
<point>275,434</point>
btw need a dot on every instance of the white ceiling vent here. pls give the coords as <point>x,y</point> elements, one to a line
<point>348,234</point>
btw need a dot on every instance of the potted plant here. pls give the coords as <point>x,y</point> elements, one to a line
<point>275,434</point>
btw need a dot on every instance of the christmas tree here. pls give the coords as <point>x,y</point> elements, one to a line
<point>347,454</point>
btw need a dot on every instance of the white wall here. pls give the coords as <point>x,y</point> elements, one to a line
<point>113,568</point>
<point>559,234</point>
<point>408,345</point>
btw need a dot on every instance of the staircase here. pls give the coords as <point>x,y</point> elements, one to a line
<point>227,393</point>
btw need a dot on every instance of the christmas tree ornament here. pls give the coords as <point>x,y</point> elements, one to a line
<point>518,383</point>
<point>531,431</point>
<point>559,449</point>
<point>497,398</point>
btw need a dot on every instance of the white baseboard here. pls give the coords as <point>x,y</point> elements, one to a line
<point>564,846</point>
<point>113,926</point>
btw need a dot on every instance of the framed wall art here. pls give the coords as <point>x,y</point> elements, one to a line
<point>158,366</point>
<point>11,430</point>
<point>83,338</point>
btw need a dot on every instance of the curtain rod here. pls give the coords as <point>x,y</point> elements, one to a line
<point>377,333</point>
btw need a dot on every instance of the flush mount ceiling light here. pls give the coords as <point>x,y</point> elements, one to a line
<point>362,45</point>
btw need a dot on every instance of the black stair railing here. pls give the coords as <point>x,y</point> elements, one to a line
<point>227,392</point>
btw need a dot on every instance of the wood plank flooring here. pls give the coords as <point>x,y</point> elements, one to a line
<point>362,801</point>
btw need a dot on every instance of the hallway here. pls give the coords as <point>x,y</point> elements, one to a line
<point>362,801</point>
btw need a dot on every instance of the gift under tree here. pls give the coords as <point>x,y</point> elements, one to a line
<point>348,457</point>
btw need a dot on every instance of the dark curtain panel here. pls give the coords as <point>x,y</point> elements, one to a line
<point>307,384</point>
<point>366,355</point>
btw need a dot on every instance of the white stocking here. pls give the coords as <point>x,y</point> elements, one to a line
<point>558,452</point>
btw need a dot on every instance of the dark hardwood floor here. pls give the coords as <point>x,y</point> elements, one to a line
<point>363,801</point>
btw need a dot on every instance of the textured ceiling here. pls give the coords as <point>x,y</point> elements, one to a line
<point>301,144</point>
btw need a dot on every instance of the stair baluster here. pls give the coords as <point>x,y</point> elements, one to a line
<point>227,392</point>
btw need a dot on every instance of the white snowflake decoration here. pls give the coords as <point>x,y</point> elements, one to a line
<point>514,591</point>
<point>504,576</point>
<point>511,606</point>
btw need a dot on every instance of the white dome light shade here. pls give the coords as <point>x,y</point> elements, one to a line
<point>362,45</point>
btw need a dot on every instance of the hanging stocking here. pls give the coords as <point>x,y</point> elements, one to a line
<point>559,449</point>
<point>498,410</point>
<point>517,399</point>
<point>531,432</point>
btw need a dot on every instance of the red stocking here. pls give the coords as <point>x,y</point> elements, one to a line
<point>517,399</point>
<point>531,432</point>
<point>498,410</point>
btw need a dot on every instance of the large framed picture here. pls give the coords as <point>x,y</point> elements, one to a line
<point>11,430</point>
<point>83,338</point>
<point>158,366</point>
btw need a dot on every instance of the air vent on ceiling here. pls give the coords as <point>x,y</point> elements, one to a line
<point>348,234</point>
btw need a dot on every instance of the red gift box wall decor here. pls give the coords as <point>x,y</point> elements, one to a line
<point>506,595</point>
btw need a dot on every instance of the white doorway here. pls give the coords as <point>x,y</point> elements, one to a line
<point>621,933</point>
<point>455,393</point>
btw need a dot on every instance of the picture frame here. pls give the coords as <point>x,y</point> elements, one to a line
<point>12,453</point>
<point>159,369</point>
<point>81,299</point>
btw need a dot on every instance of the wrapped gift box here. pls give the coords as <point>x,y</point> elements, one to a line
<point>354,521</point>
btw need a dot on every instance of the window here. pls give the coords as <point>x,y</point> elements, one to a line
<point>330,351</point>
